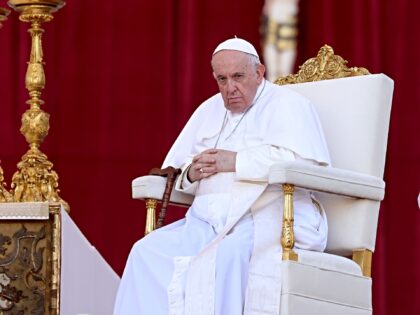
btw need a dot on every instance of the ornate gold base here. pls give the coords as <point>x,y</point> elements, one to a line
<point>35,180</point>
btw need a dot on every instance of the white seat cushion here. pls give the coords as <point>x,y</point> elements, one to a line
<point>299,305</point>
<point>309,289</point>
<point>327,261</point>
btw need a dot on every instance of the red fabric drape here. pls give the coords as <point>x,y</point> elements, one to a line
<point>383,36</point>
<point>122,80</point>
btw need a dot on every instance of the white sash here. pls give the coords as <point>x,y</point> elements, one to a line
<point>200,269</point>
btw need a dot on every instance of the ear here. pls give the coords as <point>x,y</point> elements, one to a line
<point>260,72</point>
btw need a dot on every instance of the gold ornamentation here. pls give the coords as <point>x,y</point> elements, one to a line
<point>35,126</point>
<point>363,257</point>
<point>36,10</point>
<point>5,196</point>
<point>287,234</point>
<point>35,180</point>
<point>324,66</point>
<point>23,268</point>
<point>3,15</point>
<point>151,205</point>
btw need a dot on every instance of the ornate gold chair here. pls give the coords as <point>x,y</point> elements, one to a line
<point>354,108</point>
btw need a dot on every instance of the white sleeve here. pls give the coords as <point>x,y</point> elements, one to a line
<point>254,163</point>
<point>183,184</point>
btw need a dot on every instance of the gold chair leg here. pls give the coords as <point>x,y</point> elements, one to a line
<point>363,257</point>
<point>287,234</point>
<point>151,215</point>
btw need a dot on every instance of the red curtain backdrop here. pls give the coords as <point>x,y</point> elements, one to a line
<point>383,36</point>
<point>123,78</point>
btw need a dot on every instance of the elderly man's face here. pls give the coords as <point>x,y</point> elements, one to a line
<point>238,78</point>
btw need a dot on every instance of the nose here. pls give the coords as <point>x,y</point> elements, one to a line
<point>231,86</point>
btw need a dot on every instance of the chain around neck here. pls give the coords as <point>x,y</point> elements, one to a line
<point>240,120</point>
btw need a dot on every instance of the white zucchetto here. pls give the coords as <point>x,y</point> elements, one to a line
<point>237,44</point>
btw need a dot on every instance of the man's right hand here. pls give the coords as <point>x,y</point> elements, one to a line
<point>210,162</point>
<point>201,167</point>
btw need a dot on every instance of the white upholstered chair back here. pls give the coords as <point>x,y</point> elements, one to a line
<point>354,113</point>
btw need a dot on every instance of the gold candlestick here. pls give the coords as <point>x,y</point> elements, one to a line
<point>3,15</point>
<point>35,180</point>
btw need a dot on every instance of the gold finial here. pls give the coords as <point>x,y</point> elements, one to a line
<point>324,66</point>
<point>35,180</point>
<point>3,15</point>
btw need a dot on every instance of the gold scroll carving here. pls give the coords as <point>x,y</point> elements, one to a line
<point>326,65</point>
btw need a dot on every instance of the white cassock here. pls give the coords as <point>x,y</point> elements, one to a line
<point>224,257</point>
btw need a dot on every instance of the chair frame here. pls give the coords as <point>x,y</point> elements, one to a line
<point>326,65</point>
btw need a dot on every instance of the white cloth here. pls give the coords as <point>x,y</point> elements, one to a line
<point>222,255</point>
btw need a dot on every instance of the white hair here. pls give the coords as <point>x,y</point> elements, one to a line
<point>255,60</point>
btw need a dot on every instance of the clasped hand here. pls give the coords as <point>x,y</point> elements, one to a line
<point>210,162</point>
